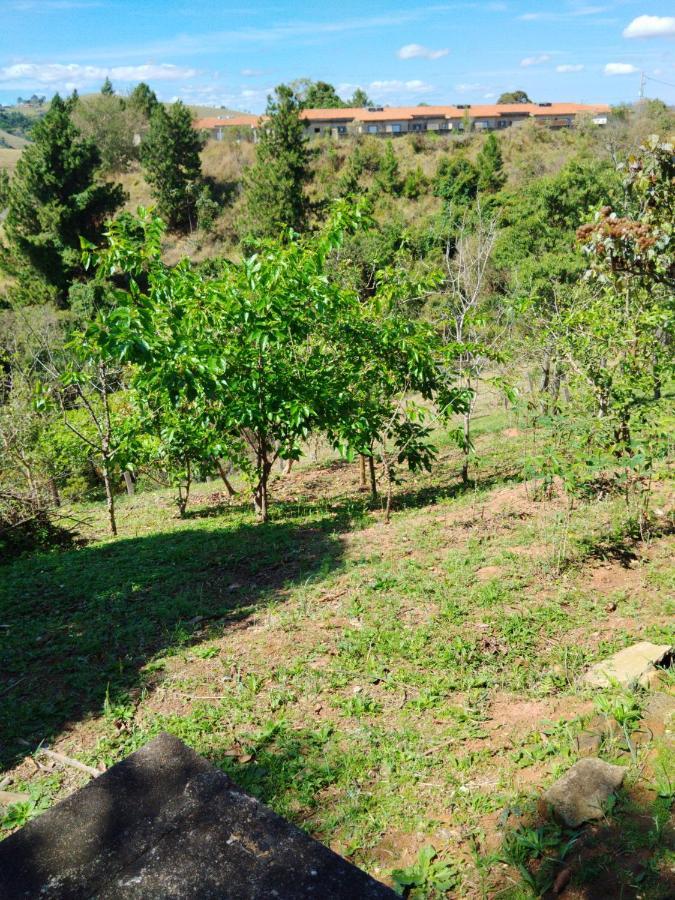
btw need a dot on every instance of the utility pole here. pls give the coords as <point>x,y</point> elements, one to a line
<point>643,79</point>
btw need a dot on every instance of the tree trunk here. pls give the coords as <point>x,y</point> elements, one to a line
<point>362,472</point>
<point>373,478</point>
<point>129,482</point>
<point>467,446</point>
<point>223,474</point>
<point>110,499</point>
<point>260,494</point>
<point>387,475</point>
<point>184,497</point>
<point>54,491</point>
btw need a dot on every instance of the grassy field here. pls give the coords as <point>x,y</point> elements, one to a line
<point>392,689</point>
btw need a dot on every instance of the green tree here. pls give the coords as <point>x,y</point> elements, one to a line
<point>514,97</point>
<point>456,181</point>
<point>275,184</point>
<point>107,88</point>
<point>490,164</point>
<point>321,95</point>
<point>54,198</point>
<point>360,100</point>
<point>172,165</point>
<point>388,177</point>
<point>143,98</point>
<point>113,125</point>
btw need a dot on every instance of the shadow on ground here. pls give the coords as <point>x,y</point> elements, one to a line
<point>78,626</point>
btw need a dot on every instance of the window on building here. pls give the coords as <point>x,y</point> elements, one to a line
<point>419,126</point>
<point>372,129</point>
<point>317,131</point>
<point>396,128</point>
<point>342,129</point>
<point>502,123</point>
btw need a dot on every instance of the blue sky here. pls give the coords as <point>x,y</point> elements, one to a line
<point>231,53</point>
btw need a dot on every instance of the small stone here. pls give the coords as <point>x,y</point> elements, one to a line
<point>581,794</point>
<point>659,715</point>
<point>588,743</point>
<point>611,607</point>
<point>633,665</point>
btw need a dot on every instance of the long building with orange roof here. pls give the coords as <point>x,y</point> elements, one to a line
<point>393,120</point>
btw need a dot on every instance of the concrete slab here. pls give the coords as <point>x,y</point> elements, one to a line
<point>634,665</point>
<point>164,823</point>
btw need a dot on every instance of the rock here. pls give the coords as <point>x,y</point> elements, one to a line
<point>580,795</point>
<point>634,665</point>
<point>588,743</point>
<point>659,715</point>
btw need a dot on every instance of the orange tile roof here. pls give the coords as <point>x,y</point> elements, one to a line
<point>406,113</point>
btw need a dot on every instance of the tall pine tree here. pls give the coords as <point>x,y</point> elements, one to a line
<point>490,164</point>
<point>54,198</point>
<point>275,184</point>
<point>171,163</point>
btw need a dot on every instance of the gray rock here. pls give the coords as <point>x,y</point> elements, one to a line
<point>165,823</point>
<point>581,794</point>
<point>659,715</point>
<point>634,665</point>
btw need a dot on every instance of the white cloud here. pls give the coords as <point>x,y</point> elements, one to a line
<point>417,51</point>
<point>557,16</point>
<point>415,86</point>
<point>620,69</point>
<point>568,67</point>
<point>250,73</point>
<point>74,75</point>
<point>535,60</point>
<point>650,26</point>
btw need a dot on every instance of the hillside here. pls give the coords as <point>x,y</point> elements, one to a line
<point>390,688</point>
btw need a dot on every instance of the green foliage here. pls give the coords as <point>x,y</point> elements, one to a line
<point>321,95</point>
<point>430,877</point>
<point>275,184</point>
<point>360,99</point>
<point>207,209</point>
<point>107,88</point>
<point>171,163</point>
<point>54,198</point>
<point>456,182</point>
<point>388,178</point>
<point>491,177</point>
<point>514,97</point>
<point>143,99</point>
<point>113,125</point>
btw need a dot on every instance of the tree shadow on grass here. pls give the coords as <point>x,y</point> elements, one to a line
<point>79,625</point>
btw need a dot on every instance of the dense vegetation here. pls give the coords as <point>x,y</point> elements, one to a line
<point>174,311</point>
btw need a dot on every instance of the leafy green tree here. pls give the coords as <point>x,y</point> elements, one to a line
<point>456,181</point>
<point>321,95</point>
<point>490,164</point>
<point>388,177</point>
<point>54,197</point>
<point>107,88</point>
<point>360,100</point>
<point>275,184</point>
<point>143,98</point>
<point>171,163</point>
<point>113,125</point>
<point>514,97</point>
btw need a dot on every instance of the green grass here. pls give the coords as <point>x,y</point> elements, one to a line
<point>389,688</point>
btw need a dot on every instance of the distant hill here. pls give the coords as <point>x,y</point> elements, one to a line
<point>12,141</point>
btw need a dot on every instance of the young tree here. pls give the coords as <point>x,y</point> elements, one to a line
<point>54,198</point>
<point>144,99</point>
<point>456,182</point>
<point>275,184</point>
<point>490,164</point>
<point>321,95</point>
<point>171,162</point>
<point>468,317</point>
<point>107,88</point>
<point>360,99</point>
<point>113,125</point>
<point>388,177</point>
